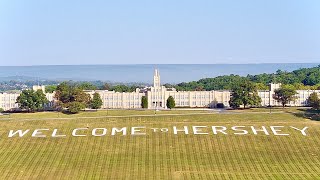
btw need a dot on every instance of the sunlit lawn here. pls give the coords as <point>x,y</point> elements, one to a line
<point>159,155</point>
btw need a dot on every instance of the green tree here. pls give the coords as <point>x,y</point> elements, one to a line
<point>244,93</point>
<point>32,100</point>
<point>167,85</point>
<point>63,93</point>
<point>199,88</point>
<point>285,94</point>
<point>235,100</point>
<point>50,88</point>
<point>86,86</point>
<point>261,86</point>
<point>304,76</point>
<point>68,93</point>
<point>106,86</point>
<point>80,96</point>
<point>314,100</point>
<point>144,102</point>
<point>1,110</point>
<point>170,102</point>
<point>75,107</point>
<point>120,88</point>
<point>133,88</point>
<point>96,101</point>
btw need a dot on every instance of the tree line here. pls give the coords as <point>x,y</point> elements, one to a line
<point>304,78</point>
<point>92,86</point>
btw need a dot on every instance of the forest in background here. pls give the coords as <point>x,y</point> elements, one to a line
<point>303,78</point>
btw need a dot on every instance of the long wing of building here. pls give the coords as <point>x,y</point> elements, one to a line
<point>157,96</point>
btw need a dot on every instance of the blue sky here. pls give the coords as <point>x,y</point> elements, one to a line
<point>37,32</point>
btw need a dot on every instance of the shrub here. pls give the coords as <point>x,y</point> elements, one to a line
<point>96,101</point>
<point>75,107</point>
<point>170,102</point>
<point>316,117</point>
<point>144,102</point>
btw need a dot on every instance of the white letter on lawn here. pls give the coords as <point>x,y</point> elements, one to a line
<point>20,132</point>
<point>75,131</point>
<point>54,134</point>
<point>38,133</point>
<point>123,130</point>
<point>185,130</point>
<point>275,131</point>
<point>235,128</point>
<point>136,131</point>
<point>215,130</point>
<point>198,131</point>
<point>256,130</point>
<point>301,130</point>
<point>104,132</point>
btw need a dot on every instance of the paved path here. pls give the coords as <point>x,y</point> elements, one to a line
<point>137,115</point>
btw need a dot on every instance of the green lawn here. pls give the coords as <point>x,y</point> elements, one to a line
<point>159,155</point>
<point>98,113</point>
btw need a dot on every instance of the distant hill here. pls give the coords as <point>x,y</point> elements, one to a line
<point>20,78</point>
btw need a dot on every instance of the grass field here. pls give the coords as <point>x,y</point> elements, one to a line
<point>159,155</point>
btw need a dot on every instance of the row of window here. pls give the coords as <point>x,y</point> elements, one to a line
<point>120,98</point>
<point>8,99</point>
<point>121,102</point>
<point>9,105</point>
<point>199,103</point>
<point>123,105</point>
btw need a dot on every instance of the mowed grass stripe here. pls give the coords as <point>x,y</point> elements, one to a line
<point>162,155</point>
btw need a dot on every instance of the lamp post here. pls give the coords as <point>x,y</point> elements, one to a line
<point>270,109</point>
<point>270,103</point>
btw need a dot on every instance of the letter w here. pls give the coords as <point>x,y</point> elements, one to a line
<point>20,132</point>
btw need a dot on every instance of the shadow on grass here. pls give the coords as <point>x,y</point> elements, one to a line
<point>67,112</point>
<point>314,111</point>
<point>311,114</point>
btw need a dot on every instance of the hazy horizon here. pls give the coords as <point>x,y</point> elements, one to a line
<point>170,73</point>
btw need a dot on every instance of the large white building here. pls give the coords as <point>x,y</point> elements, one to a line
<point>8,100</point>
<point>157,96</point>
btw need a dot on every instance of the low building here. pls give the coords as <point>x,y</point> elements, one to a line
<point>157,96</point>
<point>119,100</point>
<point>8,99</point>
